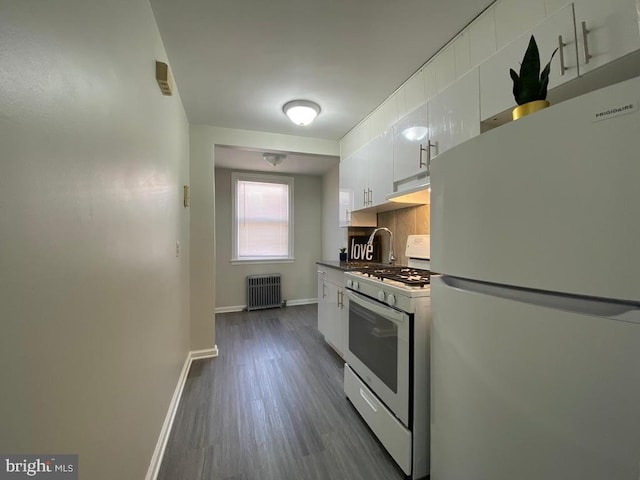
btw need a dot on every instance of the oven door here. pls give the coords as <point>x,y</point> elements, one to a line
<point>377,349</point>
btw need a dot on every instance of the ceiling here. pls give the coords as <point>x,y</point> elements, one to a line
<point>236,62</point>
<point>294,163</point>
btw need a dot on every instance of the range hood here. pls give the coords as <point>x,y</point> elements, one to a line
<point>418,195</point>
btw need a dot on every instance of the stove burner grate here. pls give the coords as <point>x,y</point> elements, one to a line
<point>408,276</point>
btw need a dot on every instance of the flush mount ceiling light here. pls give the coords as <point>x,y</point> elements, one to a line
<point>301,112</point>
<point>274,158</point>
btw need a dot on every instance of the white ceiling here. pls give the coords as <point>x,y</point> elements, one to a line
<point>236,62</point>
<point>295,163</point>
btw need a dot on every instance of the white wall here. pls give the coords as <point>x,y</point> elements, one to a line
<point>203,140</point>
<point>202,239</point>
<point>93,301</point>
<point>299,279</point>
<point>333,237</point>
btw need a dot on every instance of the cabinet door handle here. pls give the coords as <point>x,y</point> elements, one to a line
<point>364,196</point>
<point>428,150</point>
<point>585,41</point>
<point>561,46</point>
<point>429,147</point>
<point>324,290</point>
<point>370,197</point>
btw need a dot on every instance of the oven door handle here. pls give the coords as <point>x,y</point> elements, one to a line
<point>387,312</point>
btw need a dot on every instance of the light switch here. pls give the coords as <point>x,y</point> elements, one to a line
<point>177,248</point>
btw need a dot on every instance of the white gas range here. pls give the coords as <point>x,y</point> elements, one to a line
<point>395,286</point>
<point>387,355</point>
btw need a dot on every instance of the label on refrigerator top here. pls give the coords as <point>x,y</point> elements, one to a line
<point>615,111</point>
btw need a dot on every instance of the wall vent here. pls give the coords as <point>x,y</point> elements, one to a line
<point>263,291</point>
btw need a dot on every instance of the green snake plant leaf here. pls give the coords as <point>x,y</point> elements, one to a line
<point>544,78</point>
<point>530,73</point>
<point>516,85</point>
<point>531,85</point>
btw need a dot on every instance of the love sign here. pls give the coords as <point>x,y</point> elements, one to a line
<point>359,251</point>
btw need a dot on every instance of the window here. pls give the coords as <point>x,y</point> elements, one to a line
<point>262,217</point>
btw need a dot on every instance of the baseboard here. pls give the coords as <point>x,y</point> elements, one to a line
<point>206,353</point>
<point>290,303</point>
<point>301,301</point>
<point>161,445</point>
<point>233,308</point>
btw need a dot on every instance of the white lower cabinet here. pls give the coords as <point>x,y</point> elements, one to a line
<point>496,86</point>
<point>454,114</point>
<point>333,307</point>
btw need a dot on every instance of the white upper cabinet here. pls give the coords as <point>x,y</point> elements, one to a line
<point>380,157</point>
<point>550,6</point>
<point>351,186</point>
<point>401,101</point>
<point>606,30</point>
<point>354,174</point>
<point>454,114</point>
<point>429,76</point>
<point>410,136</point>
<point>514,17</point>
<point>482,37</point>
<point>414,91</point>
<point>366,177</point>
<point>496,86</point>
<point>462,54</point>
<point>588,33</point>
<point>444,64</point>
<point>390,113</point>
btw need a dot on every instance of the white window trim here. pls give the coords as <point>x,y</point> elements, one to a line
<point>264,178</point>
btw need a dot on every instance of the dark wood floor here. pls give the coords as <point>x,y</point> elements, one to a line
<point>271,406</point>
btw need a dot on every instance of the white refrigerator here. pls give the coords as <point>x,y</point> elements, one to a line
<point>535,228</point>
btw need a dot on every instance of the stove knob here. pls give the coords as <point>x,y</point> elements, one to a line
<point>391,300</point>
<point>356,285</point>
<point>349,283</point>
<point>381,296</point>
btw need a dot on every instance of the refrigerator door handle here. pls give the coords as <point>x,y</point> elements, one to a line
<point>605,308</point>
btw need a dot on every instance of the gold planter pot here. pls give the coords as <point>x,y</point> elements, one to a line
<point>527,108</point>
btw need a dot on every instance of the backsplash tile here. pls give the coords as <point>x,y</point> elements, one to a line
<point>402,222</point>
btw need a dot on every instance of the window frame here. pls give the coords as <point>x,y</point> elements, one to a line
<point>262,178</point>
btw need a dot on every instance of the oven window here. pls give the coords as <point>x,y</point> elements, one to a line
<point>374,340</point>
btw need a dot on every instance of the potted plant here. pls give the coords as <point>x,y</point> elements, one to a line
<point>343,254</point>
<point>530,87</point>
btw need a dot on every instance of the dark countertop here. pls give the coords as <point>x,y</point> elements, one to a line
<point>350,266</point>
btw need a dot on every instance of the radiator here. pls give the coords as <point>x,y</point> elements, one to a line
<point>263,291</point>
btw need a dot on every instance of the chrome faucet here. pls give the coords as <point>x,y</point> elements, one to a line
<point>385,229</point>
